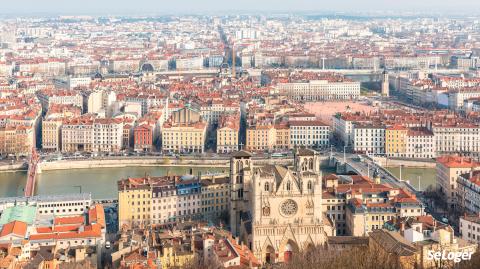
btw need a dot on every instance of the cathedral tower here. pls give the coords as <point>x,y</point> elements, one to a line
<point>240,188</point>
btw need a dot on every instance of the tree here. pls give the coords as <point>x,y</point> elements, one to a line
<point>356,257</point>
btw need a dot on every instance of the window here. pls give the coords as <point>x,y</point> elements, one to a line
<point>289,186</point>
<point>309,185</point>
<point>267,186</point>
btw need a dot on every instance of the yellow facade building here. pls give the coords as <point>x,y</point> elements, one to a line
<point>282,140</point>
<point>396,141</point>
<point>227,133</point>
<point>261,138</point>
<point>134,197</point>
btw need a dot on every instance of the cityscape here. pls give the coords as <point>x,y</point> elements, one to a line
<point>288,136</point>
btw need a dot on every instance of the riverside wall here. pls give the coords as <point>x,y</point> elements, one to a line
<point>117,163</point>
<point>417,163</point>
<point>218,162</point>
<point>19,166</point>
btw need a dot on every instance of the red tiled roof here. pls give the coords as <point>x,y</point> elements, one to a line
<point>69,220</point>
<point>15,227</point>
<point>452,161</point>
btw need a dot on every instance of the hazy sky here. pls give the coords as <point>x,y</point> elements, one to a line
<point>200,6</point>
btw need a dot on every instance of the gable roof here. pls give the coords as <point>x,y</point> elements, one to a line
<point>18,228</point>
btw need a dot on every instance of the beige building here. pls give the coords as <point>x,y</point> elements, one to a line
<point>227,133</point>
<point>215,197</point>
<point>185,131</point>
<point>77,135</point>
<point>282,139</point>
<point>52,123</point>
<point>51,134</point>
<point>16,140</point>
<point>181,138</point>
<point>261,138</point>
<point>448,168</point>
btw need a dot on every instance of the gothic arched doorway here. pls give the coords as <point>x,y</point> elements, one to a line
<point>270,255</point>
<point>290,249</point>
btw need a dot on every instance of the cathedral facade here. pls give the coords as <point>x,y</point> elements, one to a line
<point>284,209</point>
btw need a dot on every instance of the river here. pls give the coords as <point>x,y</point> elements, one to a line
<point>101,182</point>
<point>418,177</point>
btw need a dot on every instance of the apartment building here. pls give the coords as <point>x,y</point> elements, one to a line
<point>77,135</point>
<point>316,90</point>
<point>396,141</point>
<point>185,131</point>
<point>368,138</point>
<point>468,192</point>
<point>16,140</point>
<point>215,197</point>
<point>134,197</point>
<point>357,205</point>
<point>420,144</point>
<point>282,137</point>
<point>343,126</point>
<point>170,199</point>
<point>448,169</point>
<point>312,133</point>
<point>470,228</point>
<point>228,133</point>
<point>52,123</point>
<point>143,137</point>
<point>212,110</point>
<point>107,135</point>
<point>181,138</point>
<point>261,138</point>
<point>48,97</point>
<point>456,137</point>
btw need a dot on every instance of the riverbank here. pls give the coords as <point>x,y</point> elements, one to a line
<point>122,163</point>
<point>416,163</point>
<point>13,167</point>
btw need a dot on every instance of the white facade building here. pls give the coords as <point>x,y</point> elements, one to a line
<point>320,90</point>
<point>368,138</point>
<point>309,133</point>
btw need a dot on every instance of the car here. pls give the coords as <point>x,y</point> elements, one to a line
<point>107,245</point>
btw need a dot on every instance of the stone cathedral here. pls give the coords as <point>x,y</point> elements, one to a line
<point>277,210</point>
